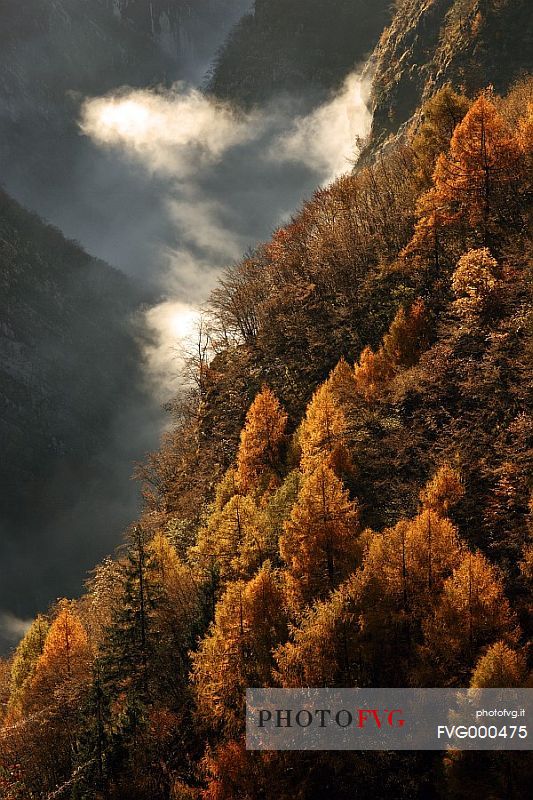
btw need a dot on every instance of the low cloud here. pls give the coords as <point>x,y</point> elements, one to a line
<point>217,181</point>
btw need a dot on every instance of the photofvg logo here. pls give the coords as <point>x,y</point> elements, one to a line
<point>388,719</point>
<point>344,718</point>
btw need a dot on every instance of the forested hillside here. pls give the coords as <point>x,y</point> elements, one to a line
<point>70,371</point>
<point>343,500</point>
<point>296,46</point>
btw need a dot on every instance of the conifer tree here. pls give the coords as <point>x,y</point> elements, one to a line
<point>478,186</point>
<point>128,648</point>
<point>320,540</point>
<point>440,116</point>
<point>472,613</point>
<point>322,433</point>
<point>64,663</point>
<point>235,541</point>
<point>237,652</point>
<point>25,659</point>
<point>373,372</point>
<point>407,336</point>
<point>499,667</point>
<point>324,649</point>
<point>443,491</point>
<point>262,440</point>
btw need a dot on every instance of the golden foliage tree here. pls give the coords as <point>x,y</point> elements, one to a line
<point>443,491</point>
<point>237,651</point>
<point>236,539</point>
<point>176,612</point>
<point>43,734</point>
<point>65,661</point>
<point>411,561</point>
<point>472,614</point>
<point>500,667</point>
<point>440,116</point>
<point>324,648</point>
<point>476,184</point>
<point>320,540</point>
<point>402,345</point>
<point>474,280</point>
<point>322,434</point>
<point>25,659</point>
<point>262,439</point>
<point>373,372</point>
<point>407,336</point>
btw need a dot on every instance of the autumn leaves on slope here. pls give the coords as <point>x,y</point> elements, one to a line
<point>410,605</point>
<point>281,583</point>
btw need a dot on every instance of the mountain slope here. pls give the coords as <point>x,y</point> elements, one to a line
<point>70,377</point>
<point>469,43</point>
<point>299,46</point>
<point>343,500</point>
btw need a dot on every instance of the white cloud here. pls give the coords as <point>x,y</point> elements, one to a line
<point>326,138</point>
<point>176,131</point>
<point>224,181</point>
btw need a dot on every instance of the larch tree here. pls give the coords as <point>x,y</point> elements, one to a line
<point>47,738</point>
<point>25,659</point>
<point>65,661</point>
<point>472,614</point>
<point>443,491</point>
<point>176,616</point>
<point>324,648</point>
<point>237,651</point>
<point>499,667</point>
<point>259,458</point>
<point>320,540</point>
<point>322,434</point>
<point>373,372</point>
<point>439,118</point>
<point>407,336</point>
<point>236,540</point>
<point>477,184</point>
<point>412,560</point>
<point>402,345</point>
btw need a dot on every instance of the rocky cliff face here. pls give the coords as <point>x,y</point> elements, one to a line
<point>469,43</point>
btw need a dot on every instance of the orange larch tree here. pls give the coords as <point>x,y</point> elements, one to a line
<point>262,439</point>
<point>320,540</point>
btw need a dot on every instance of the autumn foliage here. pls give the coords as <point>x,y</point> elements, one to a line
<point>344,502</point>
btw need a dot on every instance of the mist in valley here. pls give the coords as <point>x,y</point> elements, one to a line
<point>169,185</point>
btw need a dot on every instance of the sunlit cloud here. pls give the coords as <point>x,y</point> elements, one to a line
<point>173,327</point>
<point>176,131</point>
<point>327,138</point>
<point>226,179</point>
